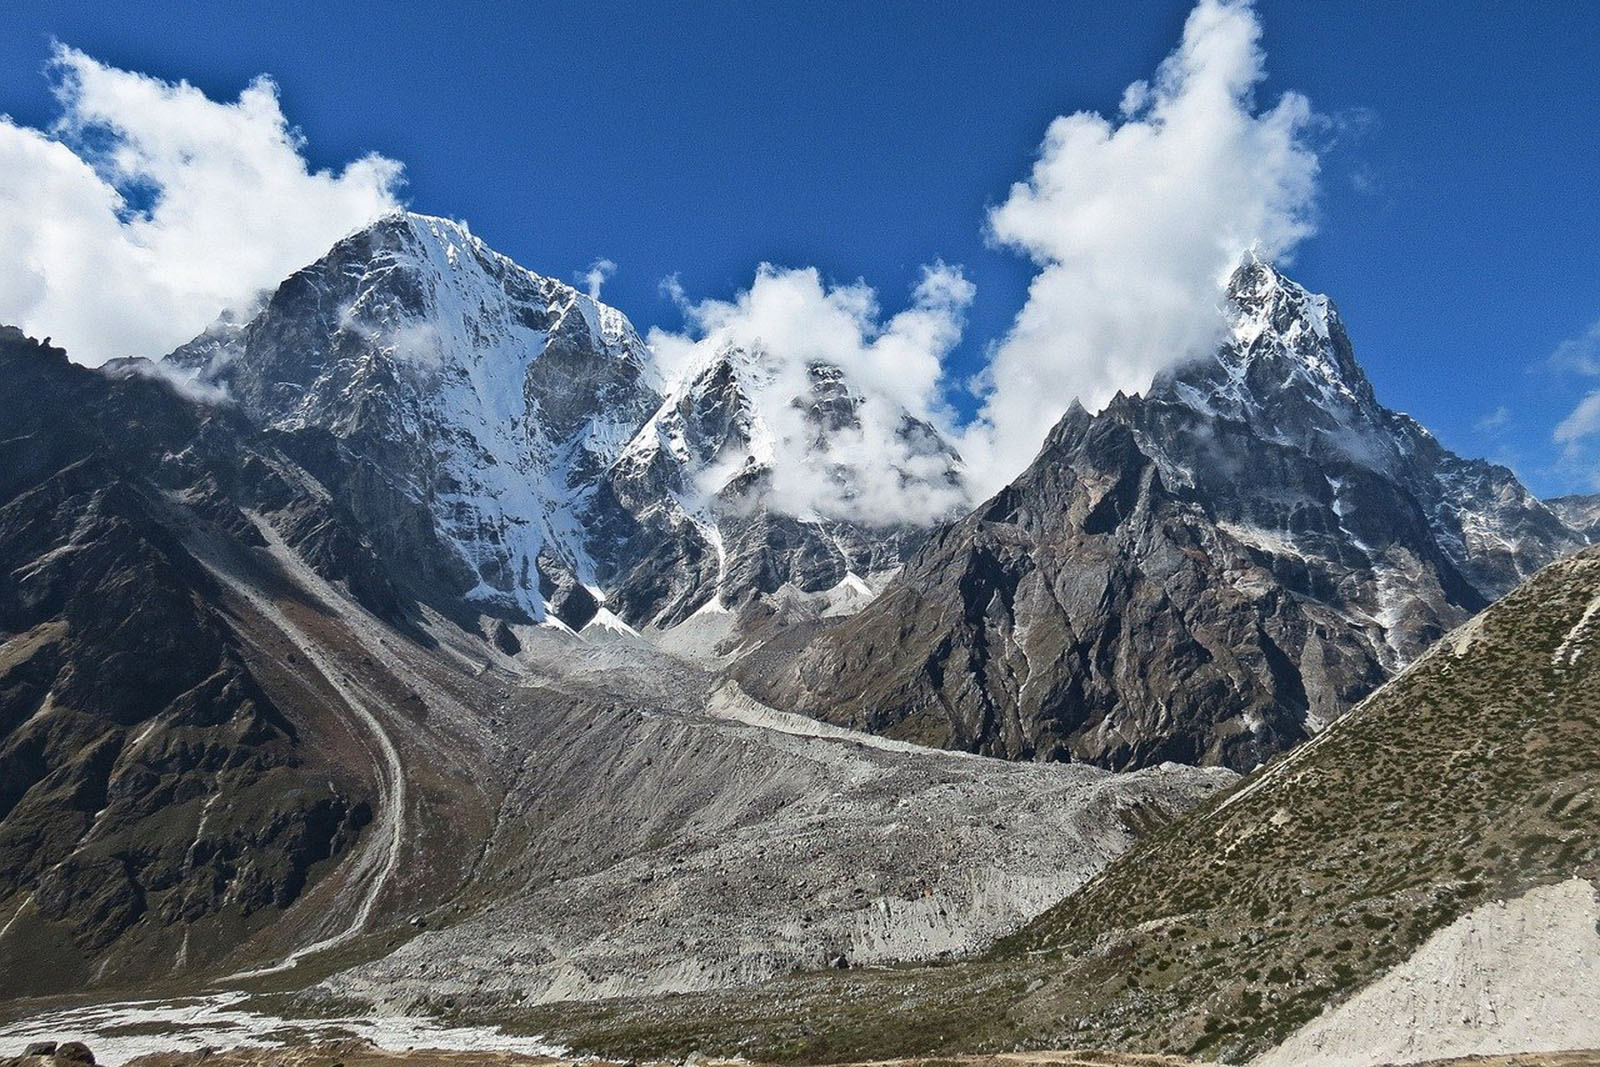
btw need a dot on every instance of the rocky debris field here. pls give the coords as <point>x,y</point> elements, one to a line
<point>646,848</point>
<point>1503,977</point>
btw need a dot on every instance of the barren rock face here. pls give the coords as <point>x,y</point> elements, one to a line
<point>1208,574</point>
<point>1581,512</point>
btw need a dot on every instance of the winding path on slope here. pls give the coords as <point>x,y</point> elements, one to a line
<point>381,855</point>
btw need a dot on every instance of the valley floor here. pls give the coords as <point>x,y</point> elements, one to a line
<point>362,1053</point>
<point>198,1026</point>
<point>614,847</point>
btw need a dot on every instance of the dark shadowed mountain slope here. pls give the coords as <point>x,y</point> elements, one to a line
<point>202,769</point>
<point>1208,573</point>
<point>157,804</point>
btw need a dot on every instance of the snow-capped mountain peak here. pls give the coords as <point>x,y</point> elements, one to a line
<point>524,430</point>
<point>1369,483</point>
<point>1263,302</point>
<point>1284,359</point>
<point>485,393</point>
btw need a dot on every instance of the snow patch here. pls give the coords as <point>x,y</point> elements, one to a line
<point>118,1032</point>
<point>1572,646</point>
<point>604,619</point>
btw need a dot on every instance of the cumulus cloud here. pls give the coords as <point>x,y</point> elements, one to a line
<point>1494,421</point>
<point>1135,223</point>
<point>1578,355</point>
<point>780,331</point>
<point>1584,421</point>
<point>596,276</point>
<point>147,208</point>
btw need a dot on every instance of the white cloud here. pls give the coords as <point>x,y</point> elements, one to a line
<point>1494,420</point>
<point>1579,355</point>
<point>1584,421</point>
<point>1135,224</point>
<point>788,320</point>
<point>192,385</point>
<point>418,346</point>
<point>596,276</point>
<point>147,209</point>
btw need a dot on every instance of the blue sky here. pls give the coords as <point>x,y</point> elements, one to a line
<point>1458,228</point>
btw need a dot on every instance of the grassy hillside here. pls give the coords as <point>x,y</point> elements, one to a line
<point>1472,777</point>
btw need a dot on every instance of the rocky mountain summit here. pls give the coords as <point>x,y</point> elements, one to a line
<point>698,476</point>
<point>1579,511</point>
<point>517,453</point>
<point>1207,573</point>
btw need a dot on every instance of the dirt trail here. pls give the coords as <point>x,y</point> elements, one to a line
<point>380,856</point>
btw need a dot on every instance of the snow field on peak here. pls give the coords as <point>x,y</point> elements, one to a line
<point>509,490</point>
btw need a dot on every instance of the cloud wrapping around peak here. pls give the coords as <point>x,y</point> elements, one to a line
<point>147,208</point>
<point>1135,224</point>
<point>593,279</point>
<point>1494,421</point>
<point>789,321</point>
